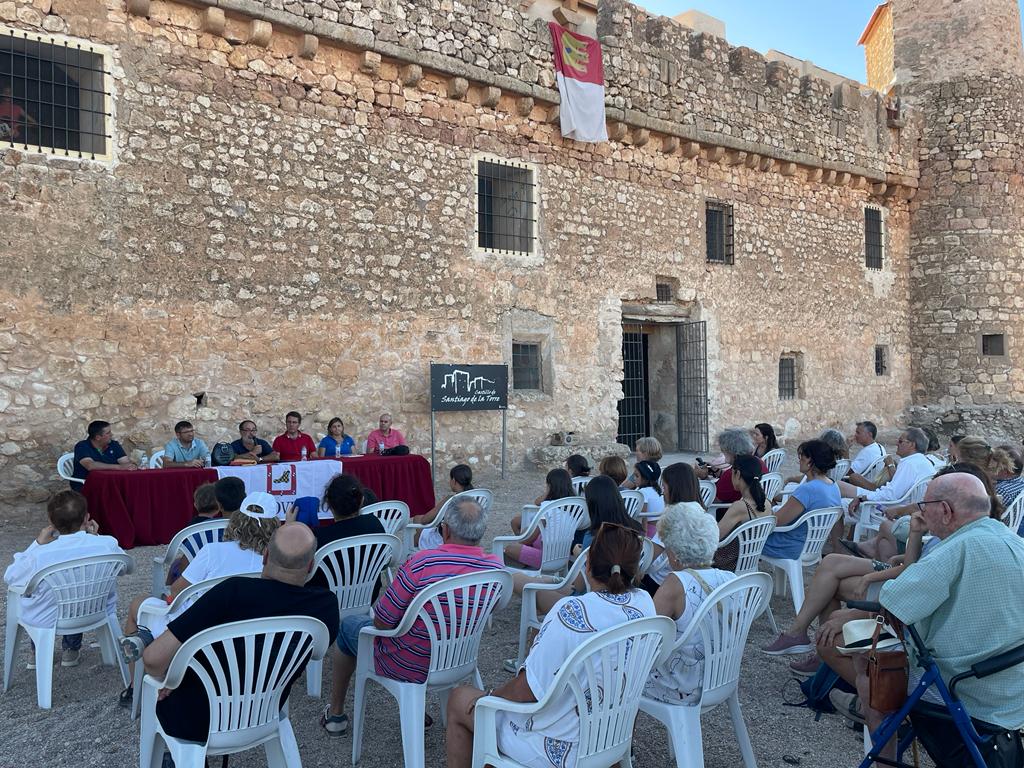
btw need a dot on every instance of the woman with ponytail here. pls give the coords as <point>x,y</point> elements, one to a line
<point>612,568</point>
<point>746,479</point>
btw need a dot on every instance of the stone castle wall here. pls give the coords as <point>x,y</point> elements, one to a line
<point>283,231</point>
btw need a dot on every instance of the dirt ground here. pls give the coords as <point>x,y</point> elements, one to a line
<point>86,727</point>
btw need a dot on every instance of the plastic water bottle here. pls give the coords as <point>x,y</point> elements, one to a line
<point>337,450</point>
<point>208,461</point>
<point>303,453</point>
<point>144,462</point>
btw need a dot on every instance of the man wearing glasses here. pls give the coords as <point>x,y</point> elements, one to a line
<point>249,446</point>
<point>185,450</point>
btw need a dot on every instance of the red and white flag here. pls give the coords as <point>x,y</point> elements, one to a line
<point>580,74</point>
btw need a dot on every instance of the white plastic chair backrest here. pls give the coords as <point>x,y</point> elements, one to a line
<point>874,469</point>
<point>838,472</point>
<point>917,490</point>
<point>634,501</point>
<point>245,665</point>
<point>771,482</point>
<point>752,536</point>
<point>560,520</point>
<point>156,461</point>
<point>193,592</point>
<point>353,567</point>
<point>936,460</point>
<point>393,515</point>
<point>81,587</point>
<point>190,539</point>
<point>819,524</point>
<point>66,467</point>
<point>455,640</point>
<point>1014,514</point>
<point>646,557</point>
<point>579,483</point>
<point>773,459</point>
<point>481,496</point>
<point>723,621</point>
<point>708,491</point>
<point>604,678</point>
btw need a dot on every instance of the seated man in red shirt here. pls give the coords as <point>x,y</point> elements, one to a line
<point>289,445</point>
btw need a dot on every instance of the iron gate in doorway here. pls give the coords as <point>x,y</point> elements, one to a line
<point>691,384</point>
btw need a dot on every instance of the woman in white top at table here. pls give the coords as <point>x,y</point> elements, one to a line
<point>552,739</point>
<point>690,536</point>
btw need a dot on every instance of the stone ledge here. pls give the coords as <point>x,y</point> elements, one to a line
<point>552,456</point>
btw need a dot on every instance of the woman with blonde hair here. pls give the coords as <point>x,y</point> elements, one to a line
<point>995,462</point>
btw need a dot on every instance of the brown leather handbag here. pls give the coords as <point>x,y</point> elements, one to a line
<point>887,675</point>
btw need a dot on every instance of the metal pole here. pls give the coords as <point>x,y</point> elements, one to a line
<point>504,439</point>
<point>433,463</point>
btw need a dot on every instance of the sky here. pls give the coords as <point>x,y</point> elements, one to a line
<point>824,31</point>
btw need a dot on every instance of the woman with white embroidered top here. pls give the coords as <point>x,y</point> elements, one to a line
<point>691,538</point>
<point>679,483</point>
<point>551,740</point>
<point>646,475</point>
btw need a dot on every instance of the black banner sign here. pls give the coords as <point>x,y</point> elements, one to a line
<point>468,387</point>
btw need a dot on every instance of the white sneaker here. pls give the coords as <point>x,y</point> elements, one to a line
<point>69,657</point>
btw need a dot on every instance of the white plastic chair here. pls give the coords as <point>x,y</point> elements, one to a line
<point>773,459</point>
<point>394,516</point>
<point>188,541</point>
<point>481,496</point>
<point>147,614</point>
<point>840,470</point>
<point>723,623</point>
<point>66,468</point>
<point>752,536</point>
<point>708,491</point>
<point>557,522</point>
<point>579,483</point>
<point>634,501</point>
<point>244,667</point>
<point>454,613</point>
<point>353,567</point>
<point>771,483</point>
<point>870,514</point>
<point>819,524</point>
<point>874,469</point>
<point>156,461</point>
<point>1014,514</point>
<point>530,616</point>
<point>616,661</point>
<point>80,590</point>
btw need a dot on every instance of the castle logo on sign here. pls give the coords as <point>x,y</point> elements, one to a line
<point>468,387</point>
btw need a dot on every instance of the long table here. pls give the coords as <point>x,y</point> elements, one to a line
<point>149,506</point>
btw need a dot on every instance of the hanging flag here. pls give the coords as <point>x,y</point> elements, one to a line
<point>580,75</point>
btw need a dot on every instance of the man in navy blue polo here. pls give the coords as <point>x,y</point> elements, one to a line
<point>99,451</point>
<point>249,446</point>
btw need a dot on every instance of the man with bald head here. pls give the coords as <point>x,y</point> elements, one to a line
<point>280,591</point>
<point>963,599</point>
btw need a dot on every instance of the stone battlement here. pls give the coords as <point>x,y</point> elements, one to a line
<point>661,77</point>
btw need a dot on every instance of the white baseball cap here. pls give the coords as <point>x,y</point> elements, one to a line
<point>260,505</point>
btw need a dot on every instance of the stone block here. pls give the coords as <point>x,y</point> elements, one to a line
<point>641,136</point>
<point>669,144</point>
<point>715,154</point>
<point>457,88</point>
<point>214,21</point>
<point>410,75</point>
<point>787,169</point>
<point>138,7</point>
<point>369,62</point>
<point>260,33</point>
<point>691,149</point>
<point>490,96</point>
<point>308,46</point>
<point>524,106</point>
<point>617,130</point>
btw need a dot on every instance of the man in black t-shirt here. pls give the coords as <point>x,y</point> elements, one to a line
<point>184,712</point>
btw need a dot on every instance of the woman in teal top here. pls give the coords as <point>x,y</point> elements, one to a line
<point>335,438</point>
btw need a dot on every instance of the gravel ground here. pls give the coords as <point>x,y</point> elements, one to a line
<point>87,728</point>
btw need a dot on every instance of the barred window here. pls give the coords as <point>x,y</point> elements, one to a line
<point>506,206</point>
<point>993,344</point>
<point>54,95</point>
<point>718,224</point>
<point>881,360</point>
<point>526,366</point>
<point>664,292</point>
<point>787,378</point>
<point>874,238</point>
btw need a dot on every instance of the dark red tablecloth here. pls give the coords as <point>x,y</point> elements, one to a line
<point>150,506</point>
<point>144,507</point>
<point>395,478</point>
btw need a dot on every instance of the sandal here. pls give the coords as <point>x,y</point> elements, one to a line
<point>851,547</point>
<point>335,725</point>
<point>125,697</point>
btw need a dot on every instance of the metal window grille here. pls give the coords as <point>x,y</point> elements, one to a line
<point>993,344</point>
<point>54,95</point>
<point>881,363</point>
<point>506,207</point>
<point>718,223</point>
<point>526,366</point>
<point>634,407</point>
<point>787,378</point>
<point>874,241</point>
<point>663,291</point>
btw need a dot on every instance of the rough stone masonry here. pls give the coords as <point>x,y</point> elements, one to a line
<point>287,219</point>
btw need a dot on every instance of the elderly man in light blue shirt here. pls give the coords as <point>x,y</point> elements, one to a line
<point>185,450</point>
<point>963,600</point>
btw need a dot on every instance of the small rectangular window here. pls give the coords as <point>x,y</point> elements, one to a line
<point>993,344</point>
<point>506,205</point>
<point>874,238</point>
<point>54,95</point>
<point>787,378</point>
<point>881,360</point>
<point>526,366</point>
<point>718,223</point>
<point>664,292</point>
